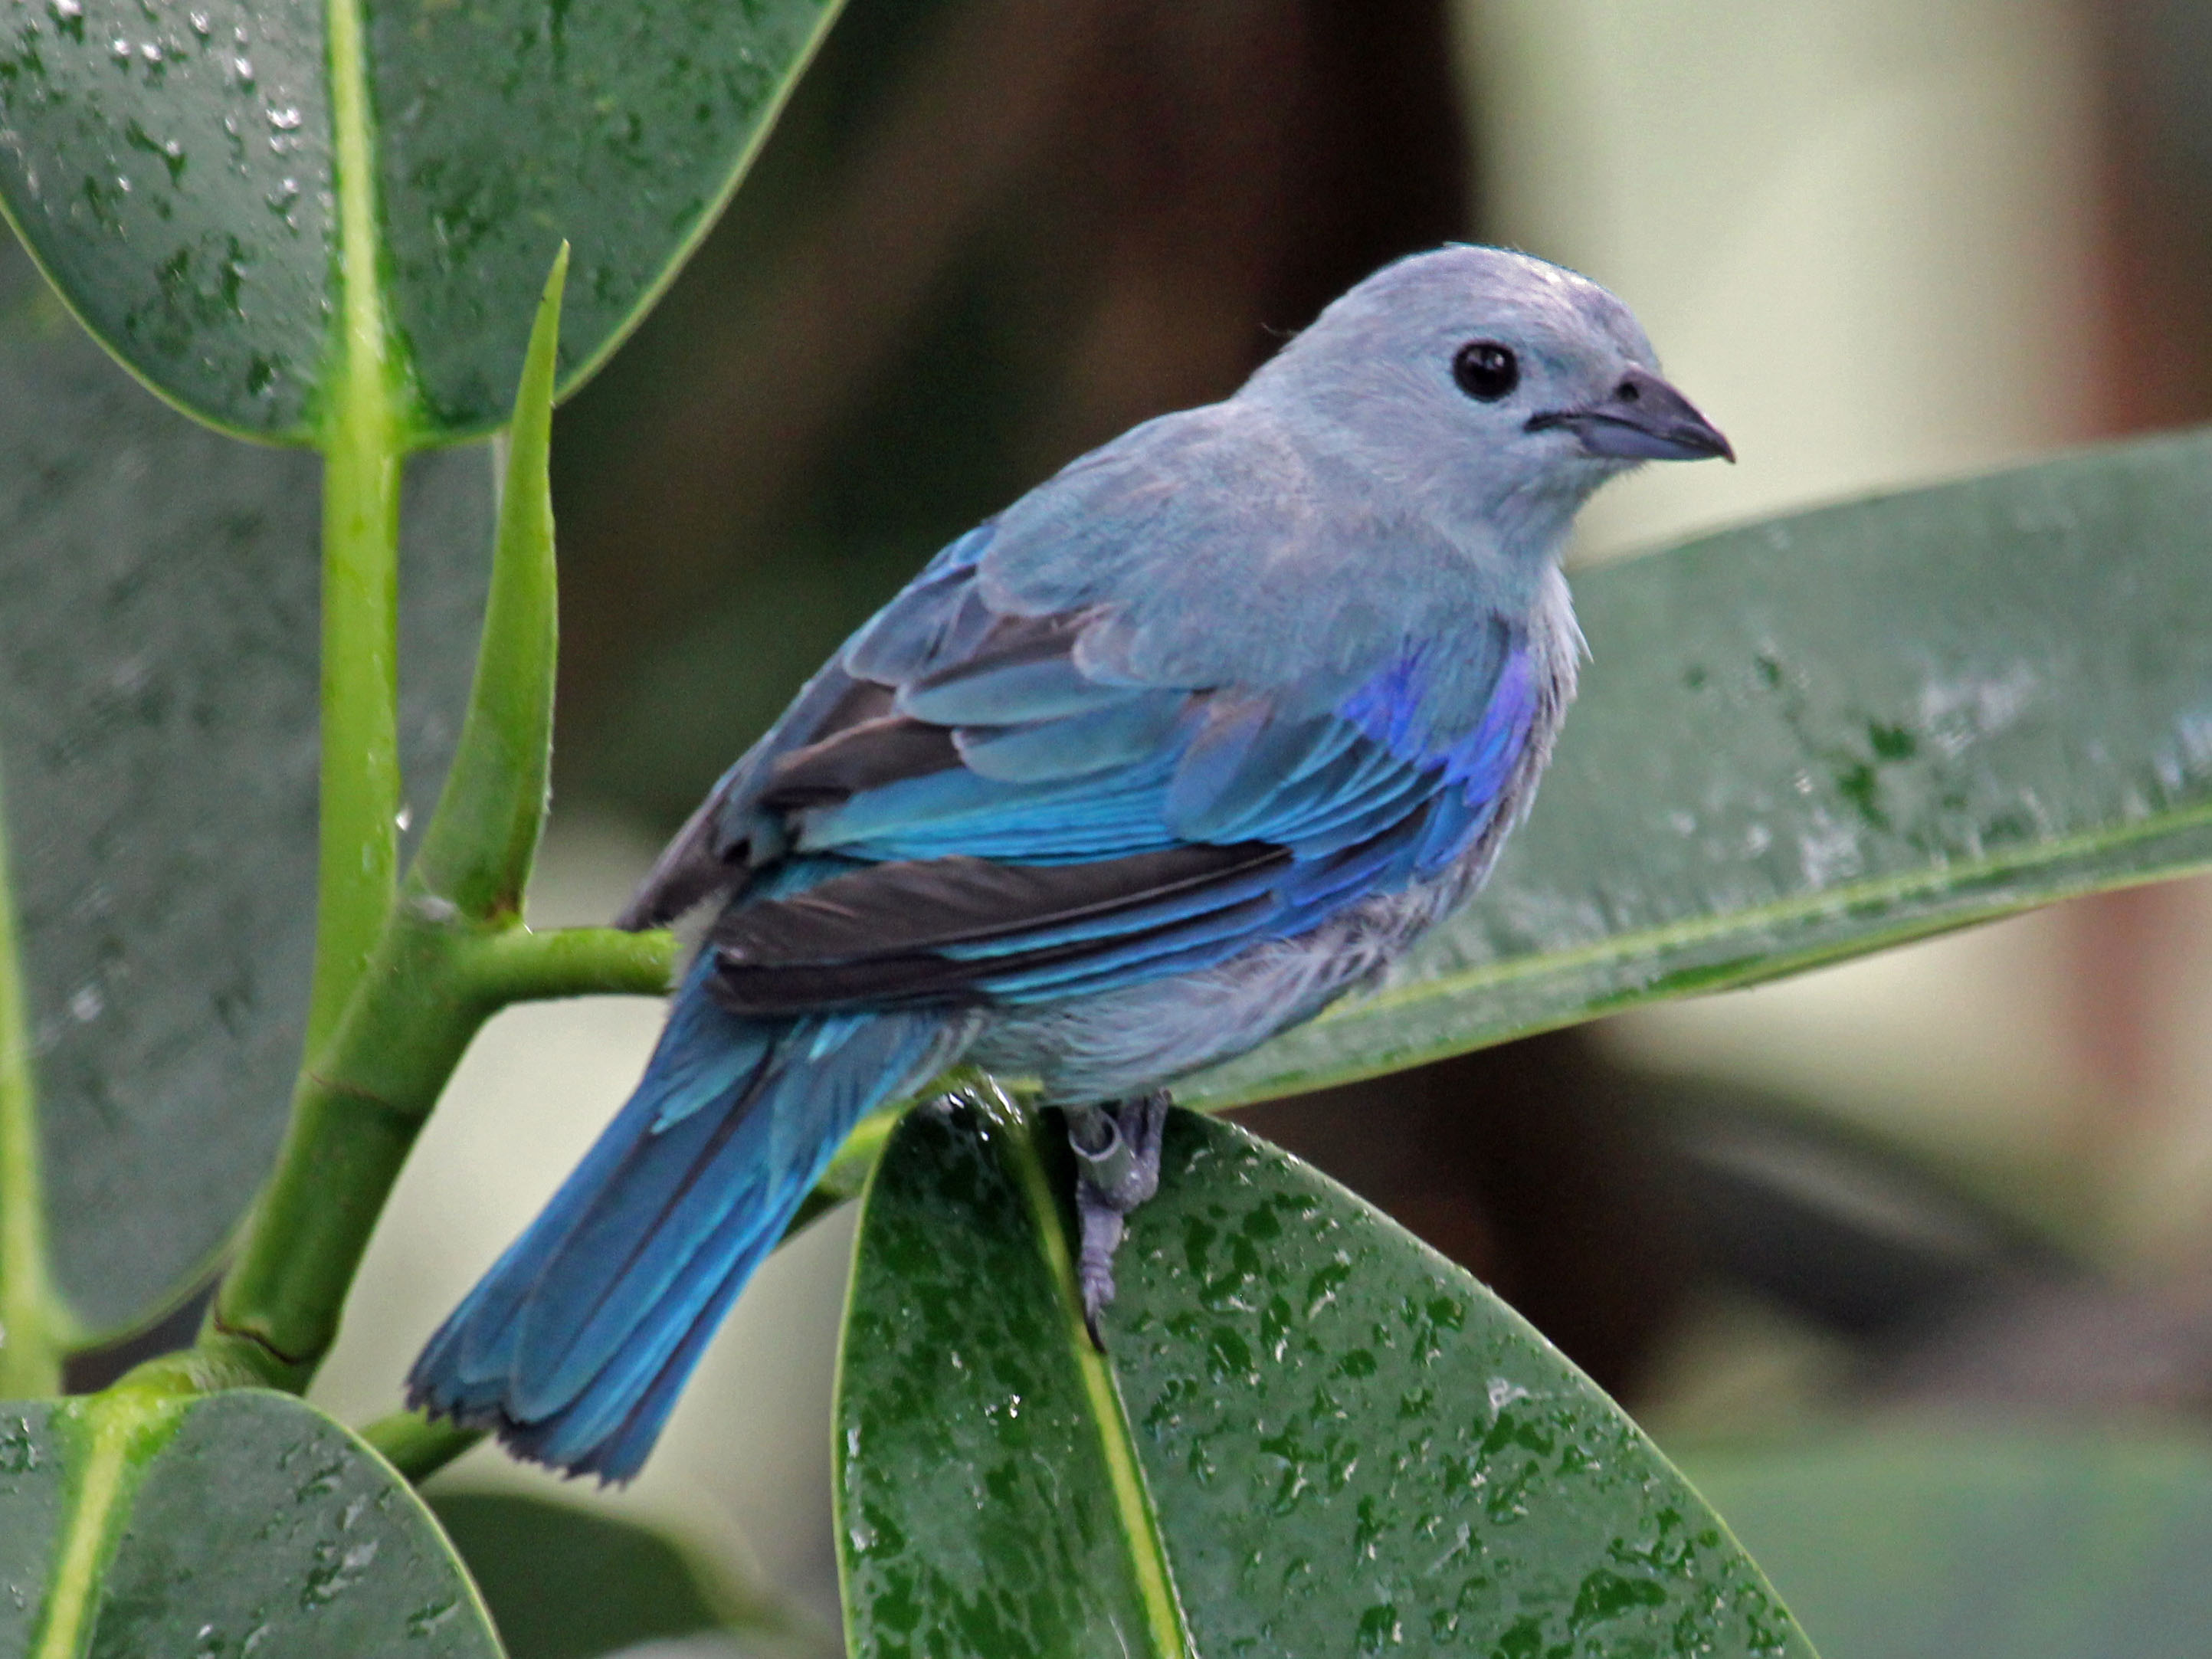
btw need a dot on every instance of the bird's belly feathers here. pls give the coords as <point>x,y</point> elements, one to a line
<point>1117,1045</point>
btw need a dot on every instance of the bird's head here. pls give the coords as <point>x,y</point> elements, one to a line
<point>1489,387</point>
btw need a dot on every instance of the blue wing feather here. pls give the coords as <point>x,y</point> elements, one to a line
<point>1366,782</point>
<point>1122,733</point>
<point>940,617</point>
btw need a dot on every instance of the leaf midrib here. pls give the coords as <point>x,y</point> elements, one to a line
<point>118,1434</point>
<point>1140,1527</point>
<point>1927,881</point>
<point>31,1323</point>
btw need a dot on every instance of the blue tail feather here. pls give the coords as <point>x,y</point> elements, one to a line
<point>574,1345</point>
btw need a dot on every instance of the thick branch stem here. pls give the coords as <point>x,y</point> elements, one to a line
<point>362,446</point>
<point>447,956</point>
<point>417,1446</point>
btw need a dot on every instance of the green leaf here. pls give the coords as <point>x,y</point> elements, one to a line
<point>1825,734</point>
<point>188,177</point>
<point>1924,1545</point>
<point>221,1526</point>
<point>1314,1435</point>
<point>157,719</point>
<point>566,1582</point>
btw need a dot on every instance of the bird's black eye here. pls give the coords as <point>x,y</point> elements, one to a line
<point>1485,370</point>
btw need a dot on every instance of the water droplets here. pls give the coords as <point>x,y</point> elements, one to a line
<point>285,122</point>
<point>327,1477</point>
<point>428,1620</point>
<point>19,1449</point>
<point>281,201</point>
<point>170,152</point>
<point>336,1570</point>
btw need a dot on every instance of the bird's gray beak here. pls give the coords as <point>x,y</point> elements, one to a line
<point>1643,419</point>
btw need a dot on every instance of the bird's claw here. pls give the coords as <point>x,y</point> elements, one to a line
<point>1117,1158</point>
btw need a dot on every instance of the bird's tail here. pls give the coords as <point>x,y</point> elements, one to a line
<point>572,1348</point>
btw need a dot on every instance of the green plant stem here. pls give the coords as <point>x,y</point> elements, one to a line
<point>448,956</point>
<point>354,1120</point>
<point>342,1150</point>
<point>360,734</point>
<point>30,1346</point>
<point>363,447</point>
<point>416,1447</point>
<point>517,965</point>
<point>355,1114</point>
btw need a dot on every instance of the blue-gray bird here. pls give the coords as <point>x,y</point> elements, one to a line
<point>1187,742</point>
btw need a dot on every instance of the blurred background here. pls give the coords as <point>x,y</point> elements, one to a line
<point>1879,242</point>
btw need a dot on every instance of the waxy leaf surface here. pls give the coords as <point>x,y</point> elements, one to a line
<point>180,172</point>
<point>158,764</point>
<point>234,1524</point>
<point>1344,1444</point>
<point>565,1582</point>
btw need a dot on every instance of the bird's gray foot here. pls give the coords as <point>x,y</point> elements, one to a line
<point>1117,1164</point>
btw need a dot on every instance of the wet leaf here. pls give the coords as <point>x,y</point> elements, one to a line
<point>1339,1442</point>
<point>177,171</point>
<point>1827,733</point>
<point>158,759</point>
<point>563,1582</point>
<point>234,1524</point>
<point>1926,1545</point>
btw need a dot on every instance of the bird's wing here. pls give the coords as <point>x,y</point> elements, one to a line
<point>1014,784</point>
<point>726,839</point>
<point>1011,829</point>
